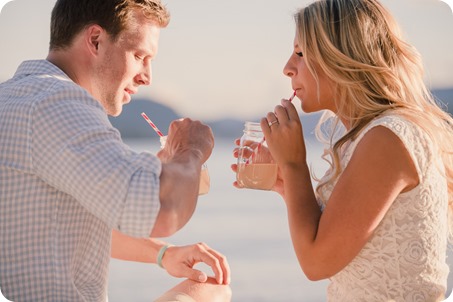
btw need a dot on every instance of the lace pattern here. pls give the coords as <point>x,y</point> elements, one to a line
<point>405,259</point>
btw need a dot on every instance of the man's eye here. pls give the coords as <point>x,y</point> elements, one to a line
<point>300,54</point>
<point>138,58</point>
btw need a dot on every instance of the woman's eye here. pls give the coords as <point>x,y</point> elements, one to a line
<point>138,58</point>
<point>300,54</point>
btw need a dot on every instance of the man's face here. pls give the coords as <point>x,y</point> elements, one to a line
<point>125,64</point>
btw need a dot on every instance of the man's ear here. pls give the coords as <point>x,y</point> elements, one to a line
<point>93,36</point>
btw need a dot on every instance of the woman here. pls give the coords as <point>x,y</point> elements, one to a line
<point>378,222</point>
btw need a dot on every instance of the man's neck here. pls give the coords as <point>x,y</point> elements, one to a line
<point>59,59</point>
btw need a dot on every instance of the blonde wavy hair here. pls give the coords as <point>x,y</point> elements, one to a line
<point>359,46</point>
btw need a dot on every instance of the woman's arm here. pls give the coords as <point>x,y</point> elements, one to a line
<point>378,171</point>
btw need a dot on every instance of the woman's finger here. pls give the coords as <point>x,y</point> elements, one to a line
<point>290,109</point>
<point>281,114</point>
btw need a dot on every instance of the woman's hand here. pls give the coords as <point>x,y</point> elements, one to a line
<point>179,261</point>
<point>278,187</point>
<point>283,132</point>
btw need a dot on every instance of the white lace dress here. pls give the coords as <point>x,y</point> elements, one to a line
<point>405,259</point>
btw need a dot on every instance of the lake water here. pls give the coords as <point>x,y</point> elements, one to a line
<point>248,226</point>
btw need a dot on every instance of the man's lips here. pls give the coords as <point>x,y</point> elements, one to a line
<point>129,91</point>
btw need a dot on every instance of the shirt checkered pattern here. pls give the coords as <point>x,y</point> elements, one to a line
<point>66,180</point>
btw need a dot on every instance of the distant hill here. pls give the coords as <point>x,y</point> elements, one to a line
<point>234,128</point>
<point>132,125</point>
<point>445,96</point>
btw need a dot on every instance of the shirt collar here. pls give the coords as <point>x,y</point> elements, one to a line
<point>40,67</point>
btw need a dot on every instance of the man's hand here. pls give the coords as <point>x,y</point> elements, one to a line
<point>179,261</point>
<point>188,135</point>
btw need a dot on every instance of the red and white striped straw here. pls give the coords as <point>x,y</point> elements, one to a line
<point>292,97</point>
<point>152,124</point>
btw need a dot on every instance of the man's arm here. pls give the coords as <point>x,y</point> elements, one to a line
<point>179,182</point>
<point>189,144</point>
<point>135,249</point>
<point>177,260</point>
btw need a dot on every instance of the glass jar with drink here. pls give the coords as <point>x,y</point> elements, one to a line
<point>256,168</point>
<point>205,182</point>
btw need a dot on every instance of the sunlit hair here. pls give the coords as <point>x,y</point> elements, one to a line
<point>358,45</point>
<point>69,17</point>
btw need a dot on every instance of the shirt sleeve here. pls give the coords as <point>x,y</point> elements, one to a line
<point>76,150</point>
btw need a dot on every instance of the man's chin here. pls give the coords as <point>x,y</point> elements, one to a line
<point>115,111</point>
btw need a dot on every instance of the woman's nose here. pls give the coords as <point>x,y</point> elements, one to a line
<point>288,70</point>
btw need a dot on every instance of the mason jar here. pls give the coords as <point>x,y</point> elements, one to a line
<point>256,168</point>
<point>205,181</point>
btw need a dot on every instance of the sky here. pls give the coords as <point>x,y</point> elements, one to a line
<point>220,59</point>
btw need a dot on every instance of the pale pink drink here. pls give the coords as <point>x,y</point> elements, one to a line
<point>205,181</point>
<point>256,167</point>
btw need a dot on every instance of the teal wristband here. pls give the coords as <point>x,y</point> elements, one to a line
<point>161,253</point>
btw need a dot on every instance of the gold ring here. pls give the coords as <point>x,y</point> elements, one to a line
<point>273,122</point>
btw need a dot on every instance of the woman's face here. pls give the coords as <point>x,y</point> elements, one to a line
<point>315,95</point>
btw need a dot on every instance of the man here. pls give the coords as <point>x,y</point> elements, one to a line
<point>66,178</point>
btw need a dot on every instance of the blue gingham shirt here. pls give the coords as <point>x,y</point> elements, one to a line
<point>66,180</point>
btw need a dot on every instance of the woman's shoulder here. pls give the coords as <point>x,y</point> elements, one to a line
<point>393,121</point>
<point>407,130</point>
<point>414,139</point>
